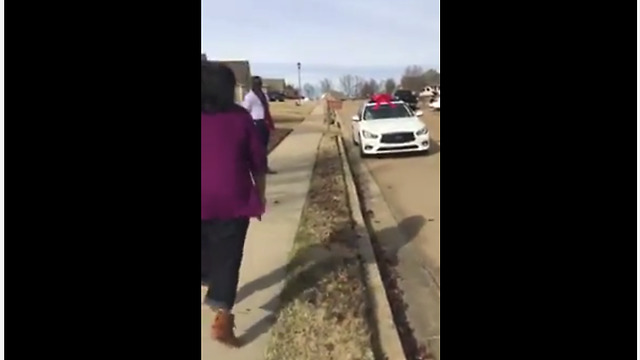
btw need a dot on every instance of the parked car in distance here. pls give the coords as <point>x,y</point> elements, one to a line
<point>435,103</point>
<point>407,97</point>
<point>429,91</point>
<point>275,96</point>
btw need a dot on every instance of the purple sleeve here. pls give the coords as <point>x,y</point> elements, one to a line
<point>257,151</point>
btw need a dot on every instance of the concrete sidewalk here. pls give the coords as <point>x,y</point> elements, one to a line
<point>268,244</point>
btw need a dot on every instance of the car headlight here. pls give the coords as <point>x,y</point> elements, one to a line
<point>369,135</point>
<point>422,131</point>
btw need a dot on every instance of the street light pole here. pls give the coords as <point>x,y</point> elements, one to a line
<point>299,85</point>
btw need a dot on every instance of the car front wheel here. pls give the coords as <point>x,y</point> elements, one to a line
<point>362,153</point>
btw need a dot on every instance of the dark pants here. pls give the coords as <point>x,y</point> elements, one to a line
<point>221,248</point>
<point>264,132</point>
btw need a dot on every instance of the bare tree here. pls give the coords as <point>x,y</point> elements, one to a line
<point>359,82</point>
<point>373,87</point>
<point>413,78</point>
<point>432,77</point>
<point>309,90</point>
<point>326,85</point>
<point>390,86</point>
<point>368,88</point>
<point>347,83</point>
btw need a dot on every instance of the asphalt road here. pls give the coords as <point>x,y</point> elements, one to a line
<point>410,185</point>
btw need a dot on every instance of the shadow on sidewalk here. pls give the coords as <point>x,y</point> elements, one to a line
<point>316,262</point>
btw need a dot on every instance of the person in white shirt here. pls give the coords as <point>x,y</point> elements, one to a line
<point>257,105</point>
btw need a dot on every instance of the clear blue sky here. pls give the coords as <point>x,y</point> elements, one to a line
<point>373,39</point>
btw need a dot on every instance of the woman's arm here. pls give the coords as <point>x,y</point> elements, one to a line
<point>261,184</point>
<point>257,158</point>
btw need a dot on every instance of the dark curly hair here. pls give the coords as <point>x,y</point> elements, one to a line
<point>217,88</point>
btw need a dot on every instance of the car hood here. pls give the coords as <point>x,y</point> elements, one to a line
<point>412,124</point>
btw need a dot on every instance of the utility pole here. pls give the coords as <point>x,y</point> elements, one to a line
<point>299,86</point>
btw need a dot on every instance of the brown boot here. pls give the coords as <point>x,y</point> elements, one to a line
<point>222,329</point>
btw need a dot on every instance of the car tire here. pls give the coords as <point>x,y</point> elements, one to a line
<point>362,154</point>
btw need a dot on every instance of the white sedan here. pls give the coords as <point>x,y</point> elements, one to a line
<point>389,128</point>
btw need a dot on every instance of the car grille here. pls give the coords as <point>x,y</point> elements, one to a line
<point>397,148</point>
<point>397,138</point>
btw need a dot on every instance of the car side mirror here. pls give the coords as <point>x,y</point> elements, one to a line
<point>419,113</point>
<point>355,118</point>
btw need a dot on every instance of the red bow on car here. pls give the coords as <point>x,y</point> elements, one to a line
<point>382,99</point>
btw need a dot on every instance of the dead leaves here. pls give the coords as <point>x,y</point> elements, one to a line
<point>327,214</point>
<point>323,312</point>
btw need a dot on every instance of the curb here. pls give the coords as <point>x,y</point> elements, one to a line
<point>374,203</point>
<point>386,331</point>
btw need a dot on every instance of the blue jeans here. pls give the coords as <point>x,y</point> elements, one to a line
<point>221,249</point>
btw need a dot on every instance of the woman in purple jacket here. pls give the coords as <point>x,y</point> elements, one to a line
<point>232,190</point>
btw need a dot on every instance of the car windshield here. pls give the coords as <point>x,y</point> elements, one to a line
<point>386,111</point>
<point>403,93</point>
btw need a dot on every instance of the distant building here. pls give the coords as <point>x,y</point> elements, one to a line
<point>333,95</point>
<point>241,70</point>
<point>274,84</point>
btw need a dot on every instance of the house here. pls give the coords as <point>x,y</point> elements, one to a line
<point>241,70</point>
<point>333,95</point>
<point>274,84</point>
